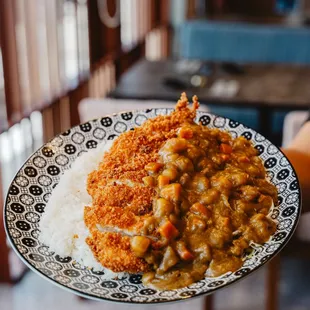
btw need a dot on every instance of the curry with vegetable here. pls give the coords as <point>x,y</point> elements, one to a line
<point>210,201</point>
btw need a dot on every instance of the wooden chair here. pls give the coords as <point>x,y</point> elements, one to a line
<point>296,249</point>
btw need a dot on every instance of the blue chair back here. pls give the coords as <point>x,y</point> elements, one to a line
<point>242,42</point>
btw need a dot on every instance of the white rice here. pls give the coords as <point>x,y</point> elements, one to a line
<point>63,216</point>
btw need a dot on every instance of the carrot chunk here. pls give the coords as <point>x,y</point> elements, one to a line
<point>168,230</point>
<point>225,148</point>
<point>183,252</point>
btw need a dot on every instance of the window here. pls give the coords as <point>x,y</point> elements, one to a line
<point>135,20</point>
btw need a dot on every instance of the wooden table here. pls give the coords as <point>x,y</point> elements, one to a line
<point>263,86</point>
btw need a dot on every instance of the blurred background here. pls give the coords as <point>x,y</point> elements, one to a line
<point>66,61</point>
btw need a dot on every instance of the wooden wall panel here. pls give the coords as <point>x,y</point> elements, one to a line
<point>9,56</point>
<point>102,40</point>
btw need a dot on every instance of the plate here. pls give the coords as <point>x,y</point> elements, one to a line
<point>32,186</point>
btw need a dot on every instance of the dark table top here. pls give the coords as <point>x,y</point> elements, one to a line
<point>262,85</point>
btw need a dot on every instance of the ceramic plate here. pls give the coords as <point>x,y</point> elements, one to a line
<point>32,186</point>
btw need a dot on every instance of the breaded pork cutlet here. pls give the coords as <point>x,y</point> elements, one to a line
<point>121,201</point>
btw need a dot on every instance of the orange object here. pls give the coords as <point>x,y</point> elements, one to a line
<point>226,221</point>
<point>183,252</point>
<point>153,167</point>
<point>162,181</point>
<point>244,159</point>
<point>148,181</point>
<point>186,133</point>
<point>225,148</point>
<point>168,230</point>
<point>200,208</point>
<point>225,157</point>
<point>171,192</point>
<point>187,255</point>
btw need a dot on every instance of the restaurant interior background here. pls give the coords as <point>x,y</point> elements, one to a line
<point>65,61</point>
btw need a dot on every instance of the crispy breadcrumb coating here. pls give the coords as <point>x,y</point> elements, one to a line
<point>137,199</point>
<point>113,251</point>
<point>120,199</point>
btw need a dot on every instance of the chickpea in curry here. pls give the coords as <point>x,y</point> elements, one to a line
<point>212,201</point>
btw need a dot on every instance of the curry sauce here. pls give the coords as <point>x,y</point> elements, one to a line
<point>212,201</point>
